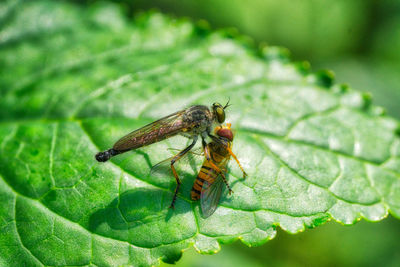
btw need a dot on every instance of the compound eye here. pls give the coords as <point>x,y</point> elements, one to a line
<point>226,133</point>
<point>220,114</point>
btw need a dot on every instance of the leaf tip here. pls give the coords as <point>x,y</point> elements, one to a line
<point>303,67</point>
<point>172,257</point>
<point>323,78</point>
<point>397,131</point>
<point>367,100</point>
<point>202,28</point>
<point>272,53</point>
<point>341,88</point>
<point>378,111</point>
<point>206,245</point>
<point>230,32</point>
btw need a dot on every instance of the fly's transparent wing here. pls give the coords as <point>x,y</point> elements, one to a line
<point>163,168</point>
<point>153,132</point>
<point>196,151</point>
<point>210,195</point>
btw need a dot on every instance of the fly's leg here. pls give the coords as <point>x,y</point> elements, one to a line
<point>175,159</point>
<point>237,161</point>
<point>215,167</point>
<point>227,185</point>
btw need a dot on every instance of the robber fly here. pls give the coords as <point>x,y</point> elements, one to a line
<point>211,177</point>
<point>191,122</point>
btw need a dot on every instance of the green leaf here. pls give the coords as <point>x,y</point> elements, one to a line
<point>74,79</point>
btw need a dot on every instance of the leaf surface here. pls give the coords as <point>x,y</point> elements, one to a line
<point>73,80</point>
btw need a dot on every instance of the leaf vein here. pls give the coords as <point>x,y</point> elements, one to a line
<point>19,235</point>
<point>277,157</point>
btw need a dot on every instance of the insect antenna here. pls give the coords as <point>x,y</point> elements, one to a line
<point>227,103</point>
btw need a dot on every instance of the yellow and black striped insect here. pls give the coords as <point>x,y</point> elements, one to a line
<point>191,122</point>
<point>211,177</point>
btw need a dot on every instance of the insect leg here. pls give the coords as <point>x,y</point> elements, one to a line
<point>203,143</point>
<point>175,159</point>
<point>227,185</point>
<point>237,161</point>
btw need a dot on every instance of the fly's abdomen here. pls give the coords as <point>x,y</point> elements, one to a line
<point>206,173</point>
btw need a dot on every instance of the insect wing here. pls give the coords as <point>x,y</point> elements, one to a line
<point>196,152</point>
<point>163,168</point>
<point>153,132</point>
<point>210,195</point>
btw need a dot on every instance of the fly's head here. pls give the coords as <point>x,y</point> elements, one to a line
<point>219,111</point>
<point>224,132</point>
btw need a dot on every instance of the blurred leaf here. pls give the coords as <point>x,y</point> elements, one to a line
<point>363,244</point>
<point>75,79</point>
<point>386,40</point>
<point>377,76</point>
<point>312,29</point>
<point>226,258</point>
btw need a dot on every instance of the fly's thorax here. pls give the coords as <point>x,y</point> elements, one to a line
<point>198,120</point>
<point>189,134</point>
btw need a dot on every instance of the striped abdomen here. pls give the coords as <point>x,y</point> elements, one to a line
<point>206,173</point>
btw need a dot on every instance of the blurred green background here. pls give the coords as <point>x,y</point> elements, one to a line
<point>360,41</point>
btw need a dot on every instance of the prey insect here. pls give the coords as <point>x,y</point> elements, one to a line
<point>192,122</point>
<point>211,177</point>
